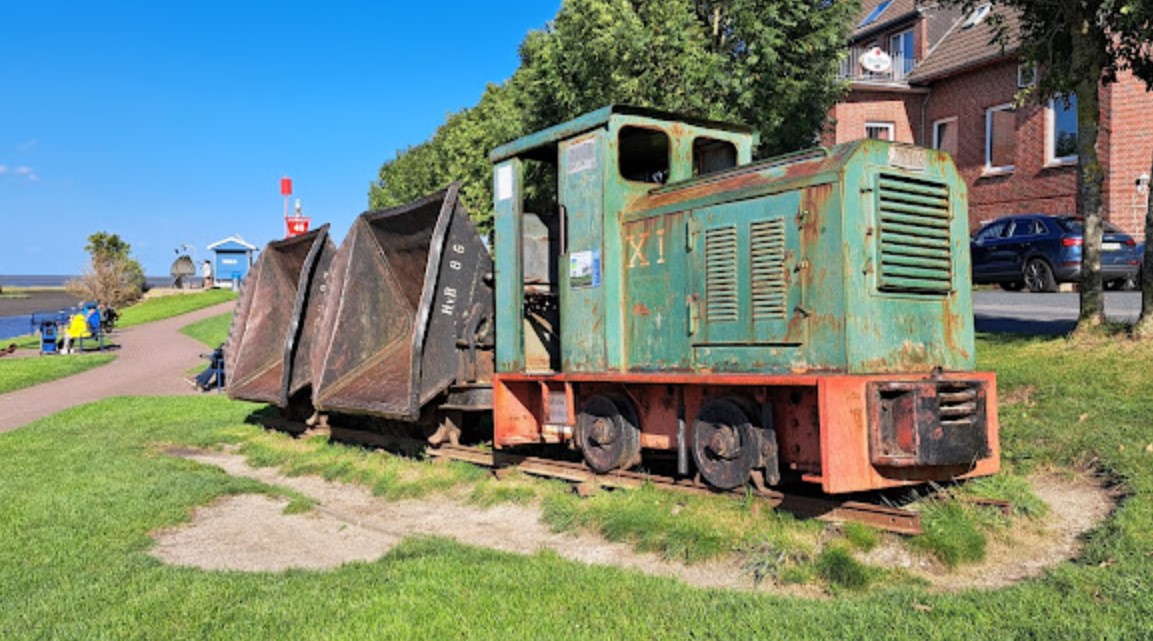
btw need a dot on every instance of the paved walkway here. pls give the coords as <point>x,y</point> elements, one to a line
<point>152,361</point>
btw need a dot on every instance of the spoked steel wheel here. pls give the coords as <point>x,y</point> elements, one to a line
<point>608,433</point>
<point>726,446</point>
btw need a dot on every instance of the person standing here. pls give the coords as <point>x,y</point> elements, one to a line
<point>206,272</point>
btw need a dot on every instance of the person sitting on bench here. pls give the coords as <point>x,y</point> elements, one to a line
<point>213,375</point>
<point>76,329</point>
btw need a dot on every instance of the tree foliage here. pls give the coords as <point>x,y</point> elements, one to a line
<point>771,64</point>
<point>113,276</point>
<point>1078,47</point>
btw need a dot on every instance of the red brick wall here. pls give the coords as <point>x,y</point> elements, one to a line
<point>1126,149</point>
<point>1031,186</point>
<point>1125,142</point>
<point>849,117</point>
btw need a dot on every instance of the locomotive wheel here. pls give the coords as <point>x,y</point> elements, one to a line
<point>607,433</point>
<point>726,446</point>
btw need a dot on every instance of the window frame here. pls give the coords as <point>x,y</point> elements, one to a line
<point>1026,76</point>
<point>937,135</point>
<point>904,68</point>
<point>1051,157</point>
<point>622,149</point>
<point>990,169</point>
<point>882,124</point>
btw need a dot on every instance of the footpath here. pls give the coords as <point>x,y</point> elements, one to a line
<point>152,360</point>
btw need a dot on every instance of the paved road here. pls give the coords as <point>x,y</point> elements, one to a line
<point>151,361</point>
<point>1048,314</point>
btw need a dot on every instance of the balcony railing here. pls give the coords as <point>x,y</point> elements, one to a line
<point>851,69</point>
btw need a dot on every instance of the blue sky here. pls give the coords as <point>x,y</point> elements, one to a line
<point>171,123</point>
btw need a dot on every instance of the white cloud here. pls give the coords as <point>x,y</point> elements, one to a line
<point>28,145</point>
<point>27,172</point>
<point>3,169</point>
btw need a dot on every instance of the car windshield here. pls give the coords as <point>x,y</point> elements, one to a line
<point>1077,226</point>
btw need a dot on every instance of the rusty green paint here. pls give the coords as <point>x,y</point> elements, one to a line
<point>852,259</point>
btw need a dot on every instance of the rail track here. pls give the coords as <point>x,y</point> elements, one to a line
<point>884,517</point>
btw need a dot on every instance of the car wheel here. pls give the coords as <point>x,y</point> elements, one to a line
<point>1012,286</point>
<point>1039,276</point>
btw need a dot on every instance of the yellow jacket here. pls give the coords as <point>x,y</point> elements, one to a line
<point>77,327</point>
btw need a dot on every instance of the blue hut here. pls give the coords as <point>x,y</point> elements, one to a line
<point>233,257</point>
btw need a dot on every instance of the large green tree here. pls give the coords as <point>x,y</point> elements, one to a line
<point>1078,47</point>
<point>771,64</point>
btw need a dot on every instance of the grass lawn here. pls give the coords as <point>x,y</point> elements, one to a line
<point>210,331</point>
<point>154,309</point>
<point>80,491</point>
<point>18,373</point>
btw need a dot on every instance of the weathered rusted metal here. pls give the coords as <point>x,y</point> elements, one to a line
<point>690,275</point>
<point>880,516</point>
<point>410,297</point>
<point>268,354</point>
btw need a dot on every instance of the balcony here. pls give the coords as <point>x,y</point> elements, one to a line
<point>899,66</point>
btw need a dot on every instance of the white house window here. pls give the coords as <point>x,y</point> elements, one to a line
<point>902,52</point>
<point>945,135</point>
<point>1000,139</point>
<point>879,130</point>
<point>1061,131</point>
<point>1026,76</point>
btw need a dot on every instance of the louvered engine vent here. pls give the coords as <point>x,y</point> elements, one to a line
<point>957,405</point>
<point>769,279</point>
<point>721,296</point>
<point>914,255</point>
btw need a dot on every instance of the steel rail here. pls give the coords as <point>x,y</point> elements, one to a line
<point>882,517</point>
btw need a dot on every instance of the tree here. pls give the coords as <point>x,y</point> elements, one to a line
<point>1079,47</point>
<point>113,276</point>
<point>771,64</point>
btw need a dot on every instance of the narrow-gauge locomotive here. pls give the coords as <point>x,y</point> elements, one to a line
<point>806,318</point>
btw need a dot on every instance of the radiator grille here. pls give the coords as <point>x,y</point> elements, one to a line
<point>721,299</point>
<point>914,219</point>
<point>768,278</point>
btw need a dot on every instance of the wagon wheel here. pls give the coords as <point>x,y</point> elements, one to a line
<point>607,433</point>
<point>726,446</point>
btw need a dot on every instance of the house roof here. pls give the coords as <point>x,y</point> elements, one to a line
<point>897,11</point>
<point>965,48</point>
<point>232,243</point>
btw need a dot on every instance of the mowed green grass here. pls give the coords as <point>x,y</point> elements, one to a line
<point>81,491</point>
<point>18,373</point>
<point>210,331</point>
<point>162,307</point>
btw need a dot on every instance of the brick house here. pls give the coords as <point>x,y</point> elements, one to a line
<point>928,75</point>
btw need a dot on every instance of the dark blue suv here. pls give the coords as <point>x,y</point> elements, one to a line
<point>1038,251</point>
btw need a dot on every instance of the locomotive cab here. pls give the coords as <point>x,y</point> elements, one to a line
<point>563,250</point>
<point>804,318</point>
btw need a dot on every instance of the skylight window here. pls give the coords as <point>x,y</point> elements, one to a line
<point>977,16</point>
<point>875,13</point>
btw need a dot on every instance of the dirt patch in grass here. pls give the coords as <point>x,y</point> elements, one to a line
<point>1077,503</point>
<point>252,533</point>
<point>348,523</point>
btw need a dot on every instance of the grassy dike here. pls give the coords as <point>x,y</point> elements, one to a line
<point>81,491</point>
<point>18,373</point>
